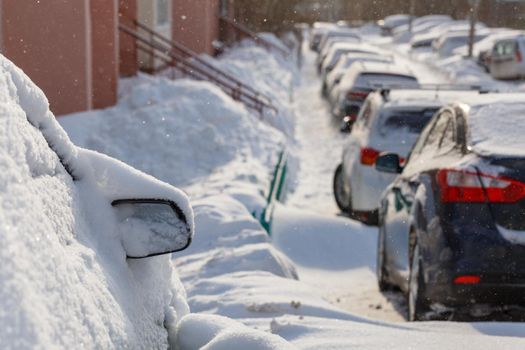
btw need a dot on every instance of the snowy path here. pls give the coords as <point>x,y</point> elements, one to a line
<point>333,254</point>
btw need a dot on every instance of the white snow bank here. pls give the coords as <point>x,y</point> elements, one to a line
<point>498,128</point>
<point>270,74</point>
<point>211,332</point>
<point>178,131</point>
<point>64,275</point>
<point>320,333</point>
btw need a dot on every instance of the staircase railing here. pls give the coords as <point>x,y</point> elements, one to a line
<point>188,63</point>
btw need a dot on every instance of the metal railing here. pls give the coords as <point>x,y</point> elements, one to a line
<point>186,62</point>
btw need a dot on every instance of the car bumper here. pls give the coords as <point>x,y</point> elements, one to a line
<point>494,294</point>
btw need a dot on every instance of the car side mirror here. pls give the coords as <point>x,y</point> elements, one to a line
<point>389,163</point>
<point>151,227</point>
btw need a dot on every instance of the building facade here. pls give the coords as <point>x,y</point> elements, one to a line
<point>74,51</point>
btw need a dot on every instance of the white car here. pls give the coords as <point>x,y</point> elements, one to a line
<point>389,121</point>
<point>445,45</point>
<point>389,23</point>
<point>334,77</point>
<point>360,79</point>
<point>79,231</point>
<point>332,37</point>
<point>507,59</point>
<point>338,50</point>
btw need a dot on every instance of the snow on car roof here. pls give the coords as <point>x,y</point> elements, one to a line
<point>426,98</point>
<point>496,126</point>
<point>383,67</point>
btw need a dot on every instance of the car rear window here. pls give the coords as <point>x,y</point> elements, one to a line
<point>409,121</point>
<point>371,79</point>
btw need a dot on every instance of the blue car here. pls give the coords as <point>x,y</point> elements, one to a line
<point>452,224</point>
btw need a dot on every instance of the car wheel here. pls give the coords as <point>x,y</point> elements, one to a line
<point>417,304</point>
<point>381,272</point>
<point>341,197</point>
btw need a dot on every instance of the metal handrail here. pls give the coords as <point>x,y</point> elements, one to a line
<point>194,56</point>
<point>175,60</point>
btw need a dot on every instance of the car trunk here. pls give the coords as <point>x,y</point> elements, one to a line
<point>510,215</point>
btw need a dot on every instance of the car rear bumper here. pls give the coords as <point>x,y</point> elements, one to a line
<point>494,294</point>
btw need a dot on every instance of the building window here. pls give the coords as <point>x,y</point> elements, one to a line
<point>162,12</point>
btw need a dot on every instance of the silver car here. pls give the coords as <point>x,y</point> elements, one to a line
<point>507,59</point>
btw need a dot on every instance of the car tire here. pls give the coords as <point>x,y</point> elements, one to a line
<point>418,305</point>
<point>342,199</point>
<point>381,272</point>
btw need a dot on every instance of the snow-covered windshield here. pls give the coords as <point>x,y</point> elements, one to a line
<point>372,79</point>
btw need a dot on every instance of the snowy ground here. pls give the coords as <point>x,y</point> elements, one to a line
<point>325,255</point>
<point>313,282</point>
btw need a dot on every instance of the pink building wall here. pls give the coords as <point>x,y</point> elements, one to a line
<point>128,57</point>
<point>67,47</point>
<point>195,24</point>
<point>49,41</point>
<point>72,49</point>
<point>105,55</point>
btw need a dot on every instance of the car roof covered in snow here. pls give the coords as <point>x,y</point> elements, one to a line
<point>371,67</point>
<point>495,123</point>
<point>403,98</point>
<point>343,45</point>
<point>383,67</point>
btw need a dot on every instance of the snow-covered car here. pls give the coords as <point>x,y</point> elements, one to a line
<point>329,62</point>
<point>318,30</point>
<point>84,237</point>
<point>420,25</point>
<point>331,37</point>
<point>389,23</point>
<point>360,79</point>
<point>445,45</point>
<point>334,77</point>
<point>507,58</point>
<point>390,121</point>
<point>426,36</point>
<point>452,228</point>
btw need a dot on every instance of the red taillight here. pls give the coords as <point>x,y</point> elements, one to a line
<point>466,186</point>
<point>518,53</point>
<point>467,279</point>
<point>356,95</point>
<point>369,156</point>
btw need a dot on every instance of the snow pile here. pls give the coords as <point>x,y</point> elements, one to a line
<point>270,74</point>
<point>210,332</point>
<point>234,271</point>
<point>64,276</point>
<point>183,132</point>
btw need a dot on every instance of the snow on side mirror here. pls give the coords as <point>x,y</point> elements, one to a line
<point>151,227</point>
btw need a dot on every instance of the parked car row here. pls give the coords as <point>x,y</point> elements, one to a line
<point>441,171</point>
<point>499,51</point>
<point>350,69</point>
